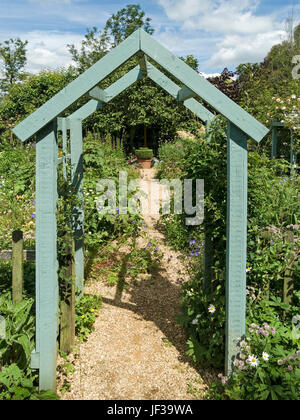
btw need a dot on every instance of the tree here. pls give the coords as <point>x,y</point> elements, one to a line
<point>125,22</point>
<point>13,57</point>
<point>118,27</point>
<point>191,61</point>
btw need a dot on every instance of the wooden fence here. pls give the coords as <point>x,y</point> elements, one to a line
<point>17,255</point>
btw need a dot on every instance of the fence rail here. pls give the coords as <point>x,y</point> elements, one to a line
<point>17,255</point>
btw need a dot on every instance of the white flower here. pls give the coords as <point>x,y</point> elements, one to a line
<point>253,360</point>
<point>293,96</point>
<point>195,321</point>
<point>265,356</point>
<point>211,309</point>
<point>248,269</point>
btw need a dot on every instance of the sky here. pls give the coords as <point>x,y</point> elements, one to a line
<point>220,33</point>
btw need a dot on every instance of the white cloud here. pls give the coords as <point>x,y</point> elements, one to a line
<point>238,49</point>
<point>49,49</point>
<point>239,33</point>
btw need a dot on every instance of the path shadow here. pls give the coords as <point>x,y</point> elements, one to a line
<point>154,298</point>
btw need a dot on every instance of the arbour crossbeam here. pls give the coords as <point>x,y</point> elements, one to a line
<point>46,123</point>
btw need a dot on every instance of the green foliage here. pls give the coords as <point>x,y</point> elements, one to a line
<point>13,57</point>
<point>118,27</point>
<point>126,21</point>
<point>17,381</point>
<point>267,366</point>
<point>87,309</point>
<point>144,153</point>
<point>24,98</point>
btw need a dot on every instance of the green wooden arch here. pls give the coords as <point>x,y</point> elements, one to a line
<point>45,123</point>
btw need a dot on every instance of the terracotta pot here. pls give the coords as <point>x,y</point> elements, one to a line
<point>145,163</point>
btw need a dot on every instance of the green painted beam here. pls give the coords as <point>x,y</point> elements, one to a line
<point>77,212</point>
<point>110,93</point>
<point>46,257</point>
<point>79,87</point>
<point>202,88</point>
<point>172,88</point>
<point>236,252</point>
<point>86,110</point>
<point>99,94</point>
<point>185,93</point>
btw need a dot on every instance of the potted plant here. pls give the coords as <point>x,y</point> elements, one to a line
<point>144,157</point>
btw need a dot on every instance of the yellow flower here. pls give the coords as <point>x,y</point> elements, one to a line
<point>82,316</point>
<point>92,310</point>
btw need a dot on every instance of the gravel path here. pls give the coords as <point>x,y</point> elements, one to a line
<point>137,350</point>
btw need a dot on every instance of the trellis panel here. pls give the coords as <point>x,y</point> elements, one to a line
<point>236,241</point>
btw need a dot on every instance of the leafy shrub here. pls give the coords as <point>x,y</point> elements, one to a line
<point>144,153</point>
<point>87,310</point>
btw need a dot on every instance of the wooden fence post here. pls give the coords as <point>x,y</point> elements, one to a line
<point>288,285</point>
<point>78,212</point>
<point>17,266</point>
<point>67,320</point>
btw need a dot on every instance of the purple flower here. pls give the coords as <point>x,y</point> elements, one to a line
<point>33,215</point>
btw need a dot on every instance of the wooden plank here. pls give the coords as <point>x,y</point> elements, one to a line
<point>185,93</point>
<point>236,241</point>
<point>208,261</point>
<point>202,88</point>
<point>46,256</point>
<point>17,266</point>
<point>288,283</point>
<point>172,88</point>
<point>28,255</point>
<point>67,307</point>
<point>143,63</point>
<point>111,92</point>
<point>99,94</point>
<point>79,87</point>
<point>77,212</point>
<point>274,142</point>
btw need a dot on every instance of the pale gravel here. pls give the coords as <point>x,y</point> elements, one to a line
<point>138,351</point>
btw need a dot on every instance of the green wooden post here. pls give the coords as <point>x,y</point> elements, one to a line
<point>208,260</point>
<point>44,357</point>
<point>292,152</point>
<point>288,284</point>
<point>78,212</point>
<point>274,142</point>
<point>17,266</point>
<point>65,146</point>
<point>67,306</point>
<point>236,241</point>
